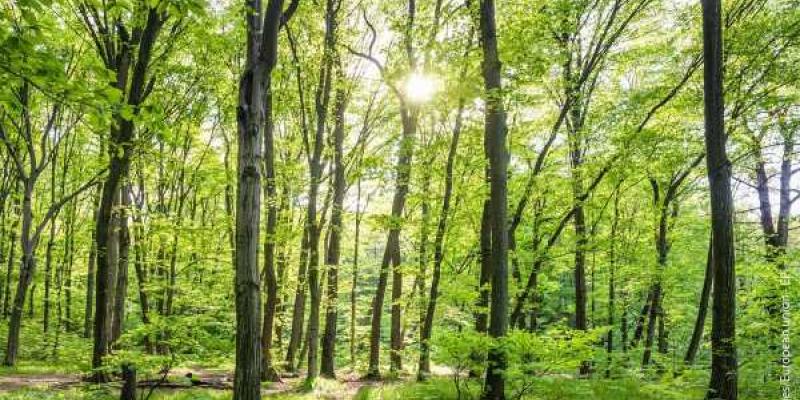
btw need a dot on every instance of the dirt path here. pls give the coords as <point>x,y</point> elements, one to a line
<point>345,387</point>
<point>10,383</point>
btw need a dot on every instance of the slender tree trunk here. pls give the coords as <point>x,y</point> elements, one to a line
<point>322,98</point>
<point>120,153</point>
<point>723,383</point>
<point>262,55</point>
<point>702,309</point>
<point>422,270</point>
<point>123,252</point>
<point>69,259</point>
<point>31,298</point>
<point>438,246</point>
<point>88,308</point>
<point>9,270</point>
<point>27,269</point>
<point>396,333</point>
<point>328,367</point>
<point>354,283</point>
<point>268,372</point>
<point>663,333</point>
<point>128,391</point>
<point>51,241</point>
<point>484,280</point>
<point>3,235</point>
<point>495,132</point>
<point>785,202</point>
<point>140,267</point>
<point>403,177</point>
<point>299,307</point>
<point>765,208</point>
<point>391,255</point>
<point>655,310</point>
<point>639,330</point>
<point>48,276</point>
<point>612,255</point>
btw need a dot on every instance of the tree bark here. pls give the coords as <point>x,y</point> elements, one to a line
<point>26,271</point>
<point>299,308</point>
<point>90,272</point>
<point>612,255</point>
<point>424,369</point>
<point>354,283</point>
<point>723,383</point>
<point>662,248</point>
<point>9,270</point>
<point>48,258</point>
<point>333,252</point>
<point>495,132</point>
<point>268,372</point>
<point>120,153</point>
<point>262,56</point>
<point>322,99</point>
<point>702,309</point>
<point>128,391</point>
<point>123,251</point>
<point>391,255</point>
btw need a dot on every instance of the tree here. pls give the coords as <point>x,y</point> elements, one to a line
<point>254,85</point>
<point>724,382</point>
<point>391,254</point>
<point>495,132</point>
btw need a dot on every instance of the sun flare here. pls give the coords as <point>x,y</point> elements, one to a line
<point>420,88</point>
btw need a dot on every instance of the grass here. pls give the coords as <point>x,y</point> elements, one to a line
<point>538,388</point>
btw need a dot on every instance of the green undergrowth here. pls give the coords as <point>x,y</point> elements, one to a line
<point>538,388</point>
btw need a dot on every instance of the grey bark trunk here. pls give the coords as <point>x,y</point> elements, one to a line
<point>495,132</point>
<point>723,383</point>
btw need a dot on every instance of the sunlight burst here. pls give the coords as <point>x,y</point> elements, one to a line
<point>420,88</point>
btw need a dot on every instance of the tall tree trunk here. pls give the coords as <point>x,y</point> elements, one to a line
<point>268,372</point>
<point>51,241</point>
<point>655,308</point>
<point>785,202</point>
<point>403,172</point>
<point>262,55</point>
<point>354,283</point>
<point>702,309</point>
<point>322,99</point>
<point>391,255</point>
<point>3,236</point>
<point>120,153</point>
<point>123,252</point>
<point>90,271</point>
<point>765,208</point>
<point>396,330</point>
<point>612,255</point>
<point>69,259</point>
<point>298,308</point>
<point>495,132</point>
<point>48,258</point>
<point>438,244</point>
<point>26,271</point>
<point>723,383</point>
<point>9,270</point>
<point>328,367</point>
<point>579,218</point>
<point>140,267</point>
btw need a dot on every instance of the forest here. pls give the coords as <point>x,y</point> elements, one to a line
<point>399,199</point>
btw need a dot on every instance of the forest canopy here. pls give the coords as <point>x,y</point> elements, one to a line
<point>448,199</point>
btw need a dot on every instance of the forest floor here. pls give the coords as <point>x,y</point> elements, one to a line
<point>11,383</point>
<point>52,382</point>
<point>189,383</point>
<point>52,386</point>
